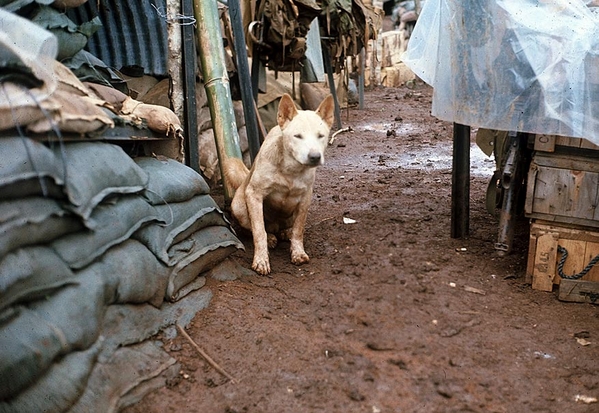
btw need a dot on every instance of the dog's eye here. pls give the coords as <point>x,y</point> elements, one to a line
<point>298,136</point>
<point>320,136</point>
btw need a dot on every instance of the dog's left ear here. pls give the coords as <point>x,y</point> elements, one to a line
<point>326,110</point>
<point>287,110</point>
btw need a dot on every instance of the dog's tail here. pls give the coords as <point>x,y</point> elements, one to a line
<point>235,171</point>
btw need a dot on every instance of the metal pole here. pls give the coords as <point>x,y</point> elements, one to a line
<point>460,182</point>
<point>245,79</point>
<point>328,67</point>
<point>192,150</point>
<point>361,79</point>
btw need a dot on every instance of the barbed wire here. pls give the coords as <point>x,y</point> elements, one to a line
<point>176,18</point>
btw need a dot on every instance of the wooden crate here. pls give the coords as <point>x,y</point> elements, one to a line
<point>548,143</point>
<point>563,188</point>
<point>582,245</point>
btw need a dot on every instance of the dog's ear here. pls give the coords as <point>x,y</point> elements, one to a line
<point>326,110</point>
<point>287,110</point>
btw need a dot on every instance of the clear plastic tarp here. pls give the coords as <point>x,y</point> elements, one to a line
<point>525,65</point>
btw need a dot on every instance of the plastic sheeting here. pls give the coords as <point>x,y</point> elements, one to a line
<point>524,65</point>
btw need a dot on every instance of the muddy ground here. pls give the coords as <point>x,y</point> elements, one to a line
<point>391,314</point>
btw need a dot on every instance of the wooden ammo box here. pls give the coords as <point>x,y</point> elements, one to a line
<point>581,244</point>
<point>564,188</point>
<point>562,197</point>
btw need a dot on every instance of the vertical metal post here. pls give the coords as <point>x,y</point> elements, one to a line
<point>361,58</point>
<point>245,80</point>
<point>190,116</point>
<point>328,67</point>
<point>460,182</point>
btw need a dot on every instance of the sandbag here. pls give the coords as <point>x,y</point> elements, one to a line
<point>75,114</point>
<point>71,37</point>
<point>170,181</point>
<point>96,170</point>
<point>33,220</point>
<point>133,274</point>
<point>31,169</point>
<point>114,223</point>
<point>183,219</point>
<point>29,274</point>
<point>158,118</point>
<point>26,48</point>
<point>67,321</point>
<point>58,389</point>
<point>197,254</point>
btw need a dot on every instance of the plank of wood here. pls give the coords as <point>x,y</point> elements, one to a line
<point>576,258</point>
<point>545,262</point>
<point>568,141</point>
<point>545,143</point>
<point>588,145</point>
<point>579,291</point>
<point>591,251</point>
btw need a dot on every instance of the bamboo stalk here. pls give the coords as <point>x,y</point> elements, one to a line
<point>216,83</point>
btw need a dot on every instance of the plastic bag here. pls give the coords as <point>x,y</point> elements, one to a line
<point>525,66</point>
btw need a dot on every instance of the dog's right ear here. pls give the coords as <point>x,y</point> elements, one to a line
<point>326,110</point>
<point>287,110</point>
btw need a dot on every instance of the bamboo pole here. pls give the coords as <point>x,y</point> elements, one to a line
<point>216,83</point>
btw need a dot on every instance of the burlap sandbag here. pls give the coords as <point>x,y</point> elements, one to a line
<point>25,44</point>
<point>29,168</point>
<point>29,274</point>
<point>64,322</point>
<point>96,170</point>
<point>158,118</point>
<point>114,223</point>
<point>76,114</point>
<point>59,388</point>
<point>197,254</point>
<point>171,181</point>
<point>133,274</point>
<point>33,220</point>
<point>183,219</point>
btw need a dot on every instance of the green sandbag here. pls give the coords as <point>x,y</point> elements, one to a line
<point>133,274</point>
<point>171,181</point>
<point>96,170</point>
<point>33,220</point>
<point>31,169</point>
<point>64,322</point>
<point>58,389</point>
<point>114,223</point>
<point>183,219</point>
<point>29,274</point>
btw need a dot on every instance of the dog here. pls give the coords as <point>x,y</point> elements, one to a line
<point>273,197</point>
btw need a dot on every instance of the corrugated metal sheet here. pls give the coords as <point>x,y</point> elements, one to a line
<point>134,33</point>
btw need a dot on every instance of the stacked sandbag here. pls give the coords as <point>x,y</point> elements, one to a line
<point>84,226</point>
<point>90,239</point>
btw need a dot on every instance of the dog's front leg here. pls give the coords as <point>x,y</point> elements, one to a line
<point>254,203</point>
<point>298,255</point>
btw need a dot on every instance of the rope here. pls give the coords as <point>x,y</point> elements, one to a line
<point>562,261</point>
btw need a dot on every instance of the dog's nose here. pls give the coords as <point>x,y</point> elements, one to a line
<point>314,158</point>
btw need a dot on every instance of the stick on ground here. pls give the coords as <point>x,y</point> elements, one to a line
<point>206,356</point>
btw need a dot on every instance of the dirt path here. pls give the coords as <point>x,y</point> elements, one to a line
<point>391,314</point>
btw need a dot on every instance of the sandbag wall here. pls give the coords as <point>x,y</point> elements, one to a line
<point>85,228</point>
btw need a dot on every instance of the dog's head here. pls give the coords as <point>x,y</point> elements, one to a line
<point>306,132</point>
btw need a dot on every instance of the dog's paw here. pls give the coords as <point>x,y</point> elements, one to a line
<point>299,257</point>
<point>272,240</point>
<point>261,265</point>
<point>285,235</point>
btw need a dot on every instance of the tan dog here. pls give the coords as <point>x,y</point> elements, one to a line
<point>273,197</point>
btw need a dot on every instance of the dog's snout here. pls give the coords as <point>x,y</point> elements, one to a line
<point>314,158</point>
